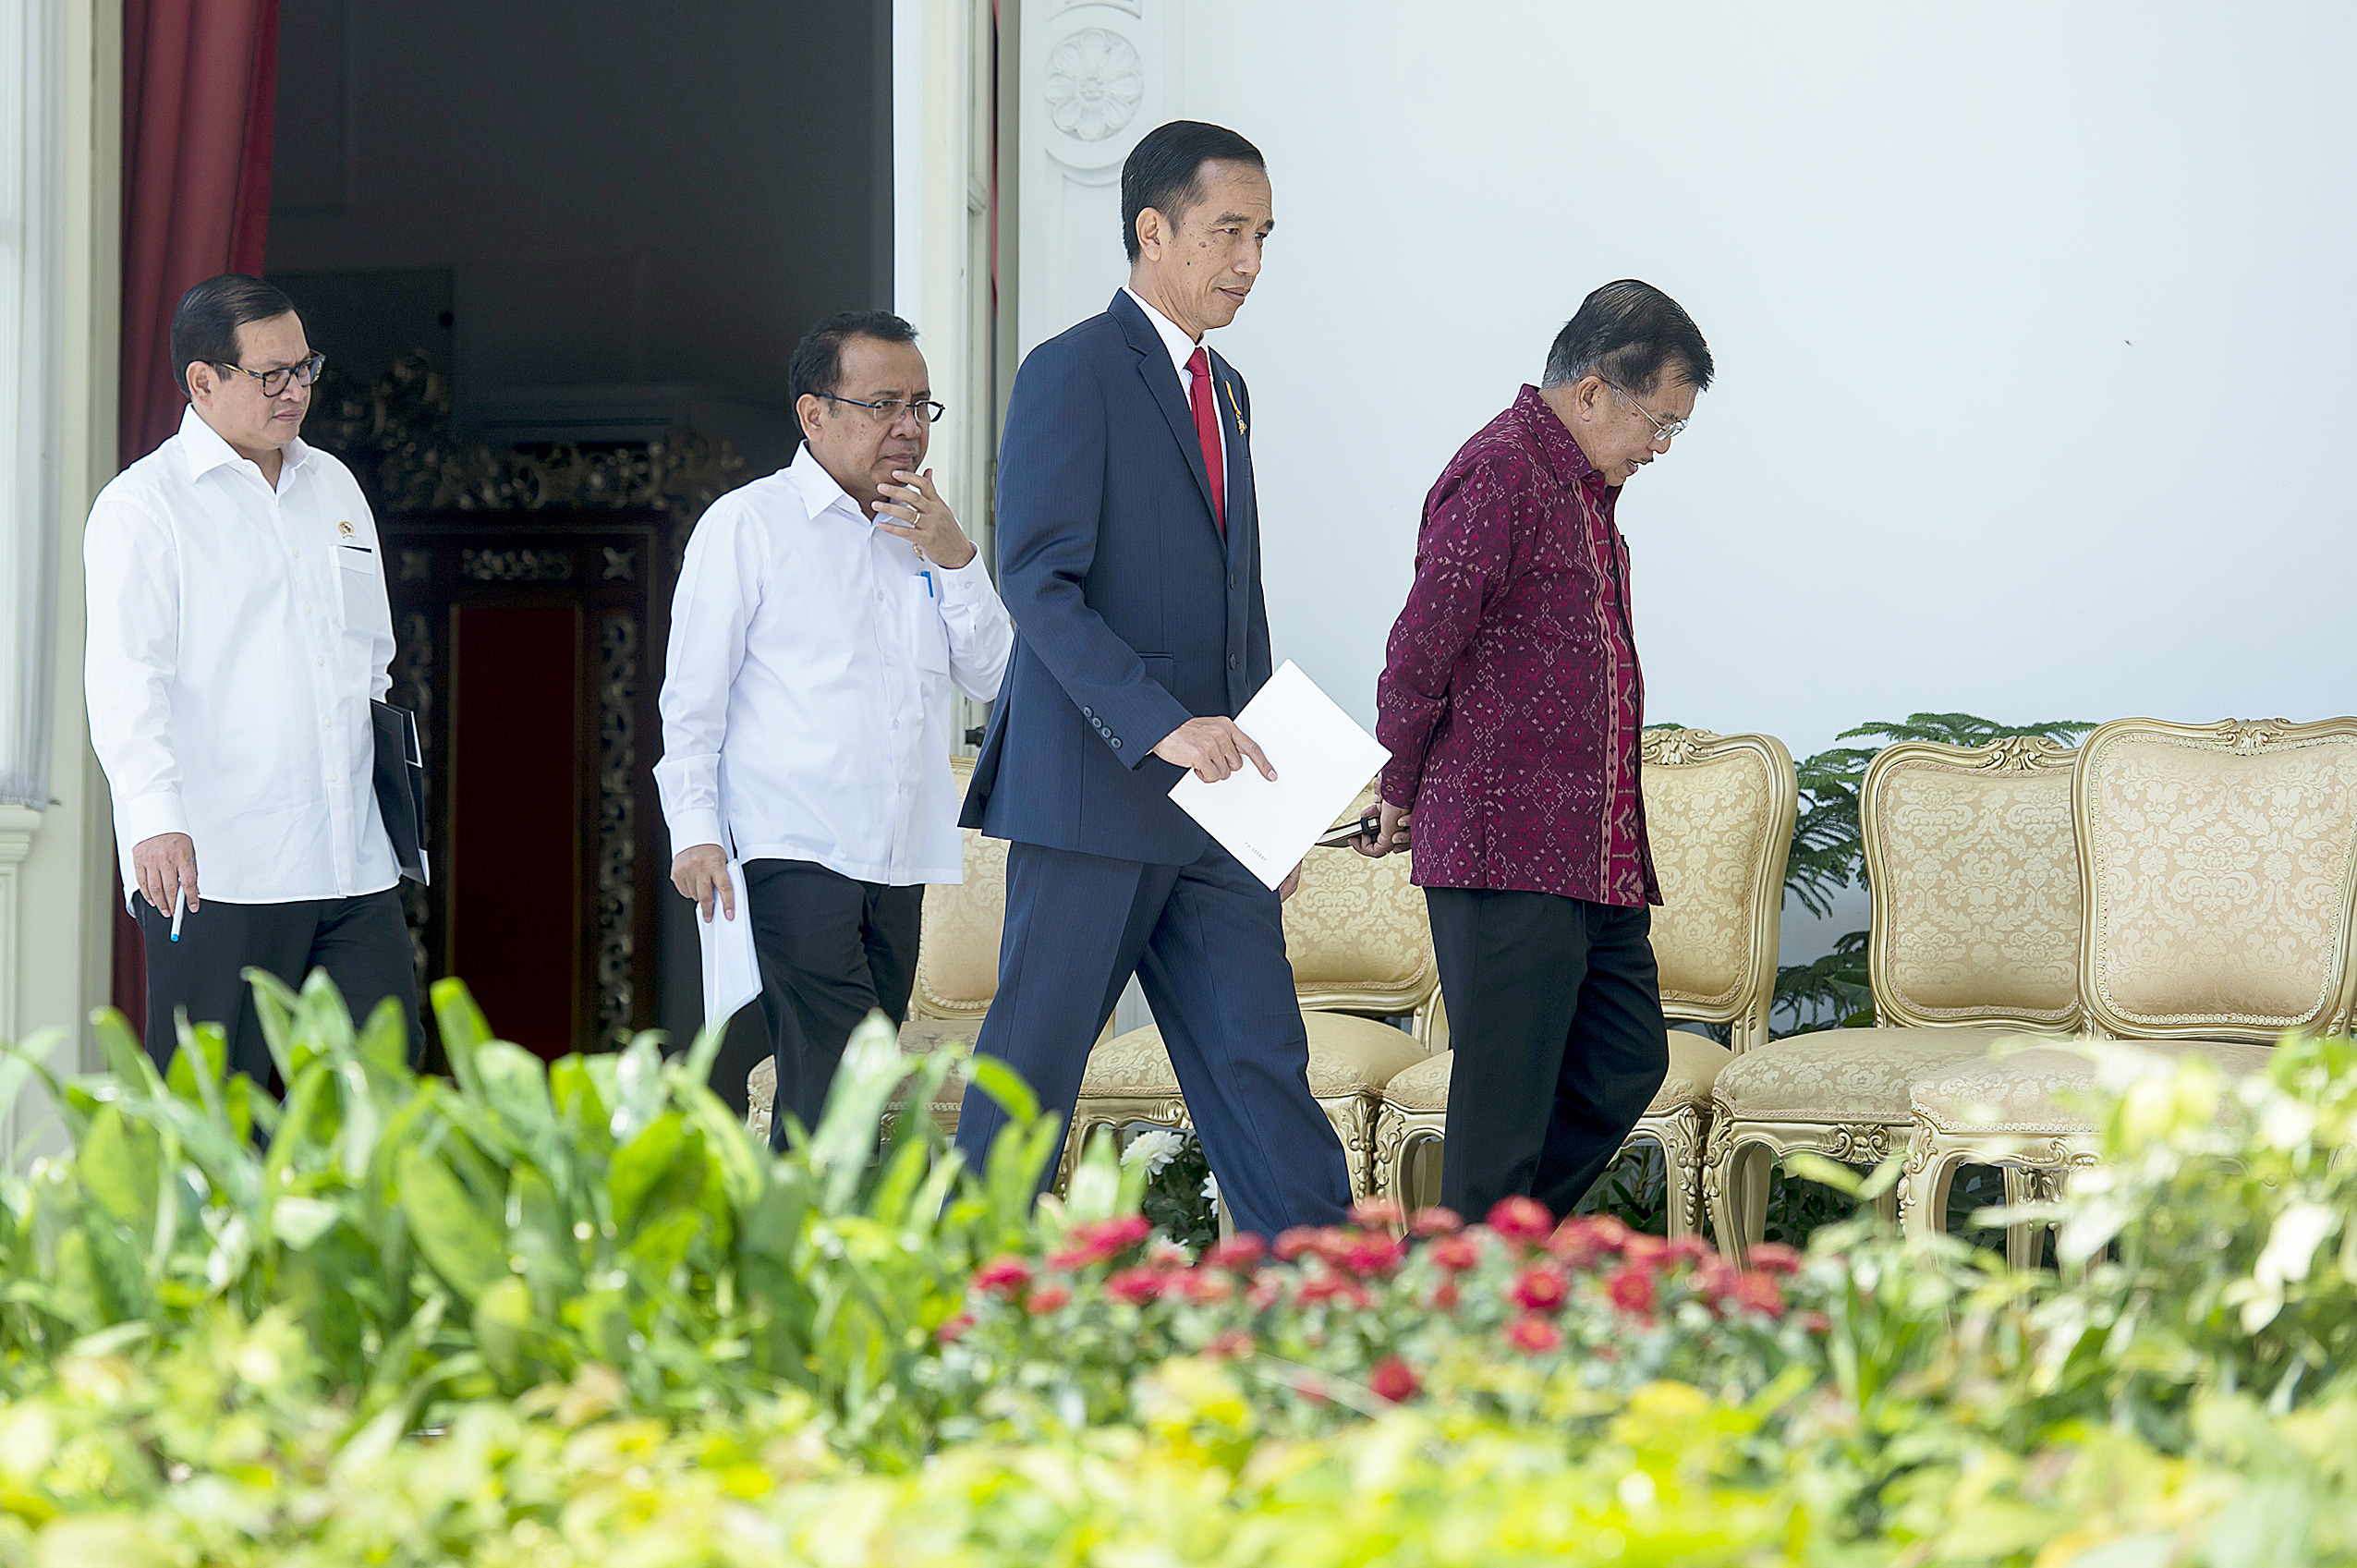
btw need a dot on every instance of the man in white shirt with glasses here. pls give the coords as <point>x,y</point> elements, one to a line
<point>239,628</point>
<point>822,616</point>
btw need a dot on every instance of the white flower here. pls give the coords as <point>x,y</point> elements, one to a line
<point>1211,1189</point>
<point>2291,1247</point>
<point>1155,1148</point>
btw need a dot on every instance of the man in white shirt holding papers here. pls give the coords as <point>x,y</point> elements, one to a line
<point>822,614</point>
<point>238,629</point>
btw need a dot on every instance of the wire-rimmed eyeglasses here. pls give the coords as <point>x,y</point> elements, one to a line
<point>887,410</point>
<point>1663,429</point>
<point>273,383</point>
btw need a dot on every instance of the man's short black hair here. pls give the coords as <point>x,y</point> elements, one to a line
<point>205,328</point>
<point>816,364</point>
<point>1165,171</point>
<point>1628,334</point>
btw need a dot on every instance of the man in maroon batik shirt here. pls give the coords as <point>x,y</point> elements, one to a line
<point>1510,702</point>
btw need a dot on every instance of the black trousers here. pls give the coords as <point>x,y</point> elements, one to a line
<point>1555,1013</point>
<point>364,943</point>
<point>831,950</point>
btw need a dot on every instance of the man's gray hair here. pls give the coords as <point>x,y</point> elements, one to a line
<point>1627,334</point>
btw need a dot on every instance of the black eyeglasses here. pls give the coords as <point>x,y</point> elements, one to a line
<point>274,382</point>
<point>889,410</point>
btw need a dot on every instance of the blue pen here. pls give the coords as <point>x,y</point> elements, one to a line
<point>929,583</point>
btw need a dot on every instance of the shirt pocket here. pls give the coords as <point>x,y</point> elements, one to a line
<point>927,633</point>
<point>363,579</point>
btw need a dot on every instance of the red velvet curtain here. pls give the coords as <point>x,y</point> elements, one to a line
<point>199,85</point>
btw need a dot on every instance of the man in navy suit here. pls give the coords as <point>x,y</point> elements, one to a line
<point>1129,557</point>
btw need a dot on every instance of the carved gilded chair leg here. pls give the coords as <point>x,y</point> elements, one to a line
<point>2021,1238</point>
<point>1886,1204</point>
<point>1926,1210</point>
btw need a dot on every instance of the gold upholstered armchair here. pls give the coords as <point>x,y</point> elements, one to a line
<point>957,971</point>
<point>1718,816</point>
<point>1974,882</point>
<point>1361,952</point>
<point>2220,868</point>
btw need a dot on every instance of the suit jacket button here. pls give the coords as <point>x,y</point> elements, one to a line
<point>1232,660</point>
<point>1116,742</point>
<point>1232,582</point>
<point>1089,712</point>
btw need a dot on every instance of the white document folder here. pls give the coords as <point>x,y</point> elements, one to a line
<point>732,973</point>
<point>1322,760</point>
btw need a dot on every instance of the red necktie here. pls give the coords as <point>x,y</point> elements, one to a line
<point>1207,433</point>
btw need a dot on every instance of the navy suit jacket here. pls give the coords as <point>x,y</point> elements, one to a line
<point>1131,613</point>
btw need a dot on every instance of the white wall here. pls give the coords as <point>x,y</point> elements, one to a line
<point>2036,327</point>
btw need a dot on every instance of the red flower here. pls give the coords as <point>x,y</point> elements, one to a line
<point>1715,1278</point>
<point>1540,1288</point>
<point>952,1327</point>
<point>1688,1249</point>
<point>1455,1253</point>
<point>1534,1336</point>
<point>1136,1286</point>
<point>1371,1254</point>
<point>1377,1213</point>
<point>1644,1250</point>
<point>1239,1254</point>
<point>1234,1344</point>
<point>1525,1219</point>
<point>1392,1379</point>
<point>1444,1296</point>
<point>1773,1258</point>
<point>1583,1238</point>
<point>1291,1243</point>
<point>1046,1299</point>
<point>1435,1221</point>
<point>1266,1292</point>
<point>1205,1287</point>
<point>1005,1274</point>
<point>1631,1289</point>
<point>1100,1241</point>
<point>1816,1322</point>
<point>1760,1294</point>
<point>1328,1286</point>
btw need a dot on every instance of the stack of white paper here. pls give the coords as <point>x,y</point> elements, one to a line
<point>731,974</point>
<point>1322,760</point>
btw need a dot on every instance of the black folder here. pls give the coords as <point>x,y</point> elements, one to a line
<point>401,786</point>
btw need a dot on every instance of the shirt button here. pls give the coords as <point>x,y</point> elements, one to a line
<point>320,660</point>
<point>1232,660</point>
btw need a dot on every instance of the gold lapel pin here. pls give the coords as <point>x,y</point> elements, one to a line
<point>346,530</point>
<point>1232,403</point>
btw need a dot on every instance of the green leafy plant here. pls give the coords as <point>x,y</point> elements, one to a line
<point>516,1223</point>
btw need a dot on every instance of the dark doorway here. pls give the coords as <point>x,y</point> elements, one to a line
<point>607,224</point>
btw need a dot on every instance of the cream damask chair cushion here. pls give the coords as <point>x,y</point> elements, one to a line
<point>2220,863</point>
<point>1358,942</point>
<point>957,971</point>
<point>1719,819</point>
<point>1973,874</point>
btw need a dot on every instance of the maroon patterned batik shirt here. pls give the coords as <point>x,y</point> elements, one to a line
<point>1511,699</point>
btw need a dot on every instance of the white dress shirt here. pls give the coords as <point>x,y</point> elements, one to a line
<point>237,634</point>
<point>808,684</point>
<point>1174,338</point>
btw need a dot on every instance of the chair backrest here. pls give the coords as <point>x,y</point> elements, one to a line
<point>1718,814</point>
<point>1974,878</point>
<point>2220,862</point>
<point>957,952</point>
<point>1358,937</point>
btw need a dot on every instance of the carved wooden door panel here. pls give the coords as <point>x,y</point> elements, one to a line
<point>530,645</point>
